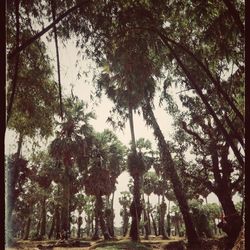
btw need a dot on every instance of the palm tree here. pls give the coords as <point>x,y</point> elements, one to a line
<point>70,147</point>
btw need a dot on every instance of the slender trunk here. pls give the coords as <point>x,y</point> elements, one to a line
<point>52,228</point>
<point>112,232</point>
<point>148,216</point>
<point>136,204</point>
<point>169,166</point>
<point>96,230</point>
<point>135,210</point>
<point>15,77</point>
<point>58,222</point>
<point>53,7</point>
<point>168,225</point>
<point>27,230</point>
<point>163,209</point>
<point>12,178</point>
<point>38,229</point>
<point>146,224</point>
<point>217,84</point>
<point>65,219</point>
<point>154,225</point>
<point>43,217</point>
<point>46,29</point>
<point>79,223</point>
<point>103,225</point>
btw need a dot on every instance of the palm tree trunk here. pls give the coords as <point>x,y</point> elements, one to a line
<point>52,228</point>
<point>169,166</point>
<point>43,217</point>
<point>103,225</point>
<point>65,219</point>
<point>136,204</point>
<point>27,230</point>
<point>154,225</point>
<point>112,232</point>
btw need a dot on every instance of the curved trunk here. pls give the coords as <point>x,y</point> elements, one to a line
<point>169,166</point>
<point>232,221</point>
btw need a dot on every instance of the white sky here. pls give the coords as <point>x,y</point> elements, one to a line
<point>82,88</point>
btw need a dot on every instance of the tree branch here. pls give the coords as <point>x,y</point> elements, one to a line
<point>53,7</point>
<point>14,82</point>
<point>204,99</point>
<point>42,32</point>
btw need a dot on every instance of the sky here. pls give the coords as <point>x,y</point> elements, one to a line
<point>82,88</point>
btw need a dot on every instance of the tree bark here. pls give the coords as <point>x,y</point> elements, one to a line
<point>154,225</point>
<point>65,218</point>
<point>103,225</point>
<point>14,82</point>
<point>27,229</point>
<point>52,228</point>
<point>135,210</point>
<point>53,7</point>
<point>169,166</point>
<point>43,217</point>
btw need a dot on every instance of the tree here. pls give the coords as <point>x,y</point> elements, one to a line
<point>125,201</point>
<point>70,148</point>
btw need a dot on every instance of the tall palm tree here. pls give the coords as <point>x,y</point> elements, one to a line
<point>70,147</point>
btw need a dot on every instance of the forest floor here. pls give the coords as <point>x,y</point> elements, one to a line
<point>153,243</point>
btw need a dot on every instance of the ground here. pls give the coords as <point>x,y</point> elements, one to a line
<point>153,243</point>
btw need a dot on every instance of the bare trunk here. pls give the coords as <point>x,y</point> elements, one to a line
<point>169,166</point>
<point>65,219</point>
<point>27,229</point>
<point>43,217</point>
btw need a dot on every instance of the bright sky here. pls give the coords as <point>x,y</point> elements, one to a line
<point>83,88</point>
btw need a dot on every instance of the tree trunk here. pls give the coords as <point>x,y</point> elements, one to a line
<point>27,230</point>
<point>169,166</point>
<point>154,225</point>
<point>233,221</point>
<point>43,217</point>
<point>148,216</point>
<point>135,210</point>
<point>103,225</point>
<point>112,232</point>
<point>96,230</point>
<point>146,226</point>
<point>79,223</point>
<point>65,219</point>
<point>52,228</point>
<point>58,222</point>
